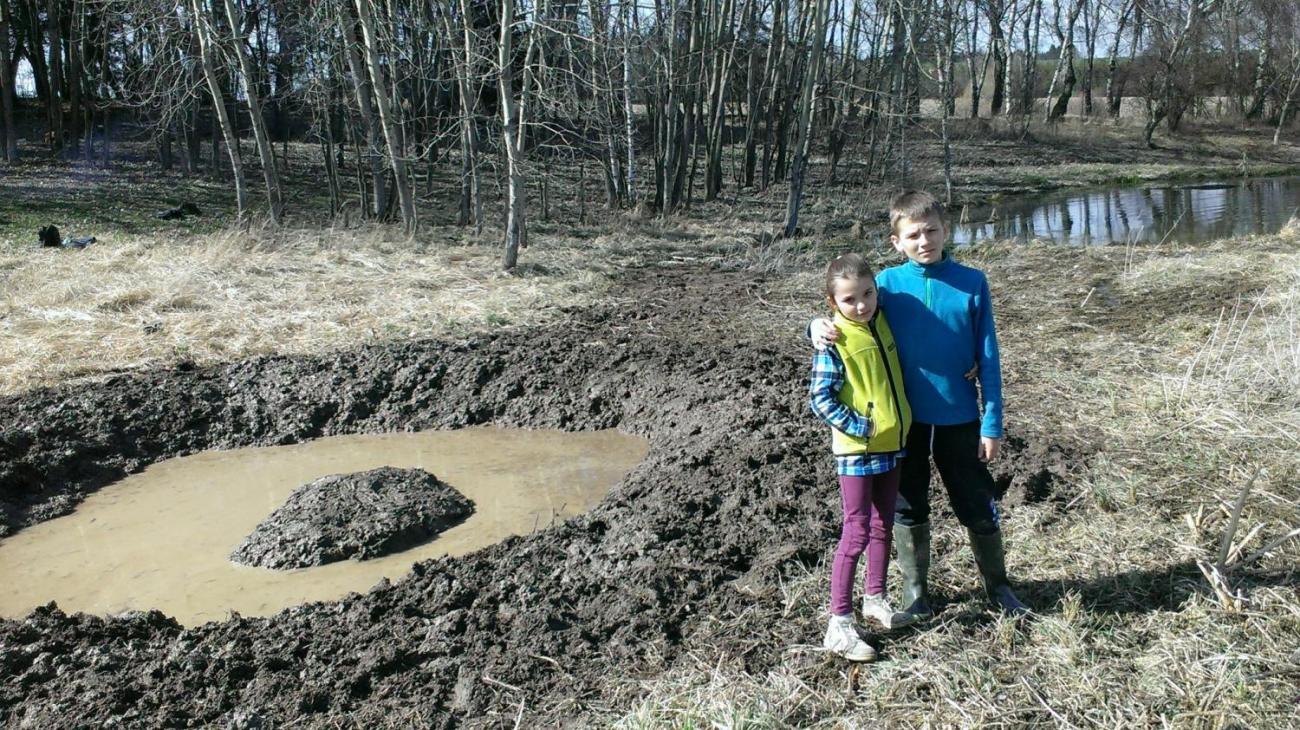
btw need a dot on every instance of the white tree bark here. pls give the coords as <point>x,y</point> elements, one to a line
<point>392,135</point>
<point>516,226</point>
<point>273,194</point>
<point>203,29</point>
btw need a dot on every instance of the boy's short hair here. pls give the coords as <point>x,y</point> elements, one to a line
<point>914,204</point>
<point>847,266</point>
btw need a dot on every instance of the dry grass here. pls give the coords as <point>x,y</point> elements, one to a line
<point>1179,370</point>
<point>146,301</point>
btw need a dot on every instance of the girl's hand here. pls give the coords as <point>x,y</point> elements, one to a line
<point>824,334</point>
<point>989,448</point>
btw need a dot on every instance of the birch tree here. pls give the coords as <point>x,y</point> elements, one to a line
<point>275,198</point>
<point>202,21</point>
<point>387,116</point>
<point>516,225</point>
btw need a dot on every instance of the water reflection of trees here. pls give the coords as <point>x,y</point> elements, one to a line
<point>1174,213</point>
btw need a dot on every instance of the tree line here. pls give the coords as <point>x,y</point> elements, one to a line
<point>666,100</point>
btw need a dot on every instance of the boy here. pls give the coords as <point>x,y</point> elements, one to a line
<point>942,318</point>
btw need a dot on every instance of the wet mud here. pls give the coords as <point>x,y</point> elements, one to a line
<point>735,493</point>
<point>357,516</point>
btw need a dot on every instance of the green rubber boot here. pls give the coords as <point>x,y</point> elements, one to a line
<point>912,546</point>
<point>991,559</point>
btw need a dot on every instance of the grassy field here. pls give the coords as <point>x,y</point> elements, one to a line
<point>1169,378</point>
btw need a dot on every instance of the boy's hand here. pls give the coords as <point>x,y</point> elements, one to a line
<point>824,334</point>
<point>989,448</point>
<point>973,372</point>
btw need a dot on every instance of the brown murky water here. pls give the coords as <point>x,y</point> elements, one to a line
<point>161,539</point>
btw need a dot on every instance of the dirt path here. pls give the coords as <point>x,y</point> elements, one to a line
<point>729,496</point>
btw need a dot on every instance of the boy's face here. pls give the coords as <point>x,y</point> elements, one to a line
<point>920,239</point>
<point>855,299</point>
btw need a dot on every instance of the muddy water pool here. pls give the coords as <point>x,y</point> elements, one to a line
<point>162,538</point>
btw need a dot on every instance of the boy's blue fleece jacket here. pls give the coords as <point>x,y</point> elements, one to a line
<point>942,318</point>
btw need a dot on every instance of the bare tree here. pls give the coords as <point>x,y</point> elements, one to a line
<point>516,225</point>
<point>1114,85</point>
<point>1064,73</point>
<point>275,199</point>
<point>387,114</point>
<point>803,141</point>
<point>1173,40</point>
<point>202,20</point>
<point>8,132</point>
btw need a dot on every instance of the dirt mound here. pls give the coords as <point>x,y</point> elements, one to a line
<point>360,516</point>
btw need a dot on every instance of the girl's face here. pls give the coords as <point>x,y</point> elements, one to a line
<point>854,298</point>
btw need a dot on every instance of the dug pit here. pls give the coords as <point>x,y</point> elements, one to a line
<point>164,535</point>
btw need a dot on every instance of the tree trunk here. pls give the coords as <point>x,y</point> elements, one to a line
<point>724,53</point>
<point>387,120</point>
<point>1064,72</point>
<point>976,72</point>
<point>943,63</point>
<point>203,28</point>
<point>843,103</point>
<point>274,195</point>
<point>1113,89</point>
<point>803,143</point>
<point>1164,102</point>
<point>75,79</point>
<point>1261,85</point>
<point>8,132</point>
<point>1290,96</point>
<point>374,134</point>
<point>53,27</point>
<point>1091,19</point>
<point>998,49</point>
<point>516,226</point>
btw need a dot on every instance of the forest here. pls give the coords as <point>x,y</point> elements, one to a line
<point>667,102</point>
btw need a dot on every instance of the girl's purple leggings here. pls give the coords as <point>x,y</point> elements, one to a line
<point>868,525</point>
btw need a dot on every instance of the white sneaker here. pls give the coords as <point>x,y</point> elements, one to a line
<point>879,610</point>
<point>842,638</point>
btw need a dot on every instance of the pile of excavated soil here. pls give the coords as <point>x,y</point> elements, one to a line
<point>364,515</point>
<point>735,496</point>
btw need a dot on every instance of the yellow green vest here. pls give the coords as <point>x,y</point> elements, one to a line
<point>873,386</point>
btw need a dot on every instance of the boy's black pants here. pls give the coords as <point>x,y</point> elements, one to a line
<point>970,487</point>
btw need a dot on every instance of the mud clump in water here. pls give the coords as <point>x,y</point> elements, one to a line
<point>360,516</point>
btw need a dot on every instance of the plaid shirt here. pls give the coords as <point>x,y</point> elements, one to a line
<point>823,394</point>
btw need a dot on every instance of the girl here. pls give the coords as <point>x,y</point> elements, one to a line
<point>857,389</point>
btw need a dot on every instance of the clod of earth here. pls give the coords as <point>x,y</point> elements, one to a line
<point>361,516</point>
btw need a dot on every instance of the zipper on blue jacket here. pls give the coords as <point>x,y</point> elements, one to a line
<point>889,373</point>
<point>928,301</point>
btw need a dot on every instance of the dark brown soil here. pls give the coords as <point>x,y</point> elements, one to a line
<point>735,493</point>
<point>358,516</point>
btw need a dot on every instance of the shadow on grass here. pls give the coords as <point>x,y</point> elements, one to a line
<point>1130,592</point>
